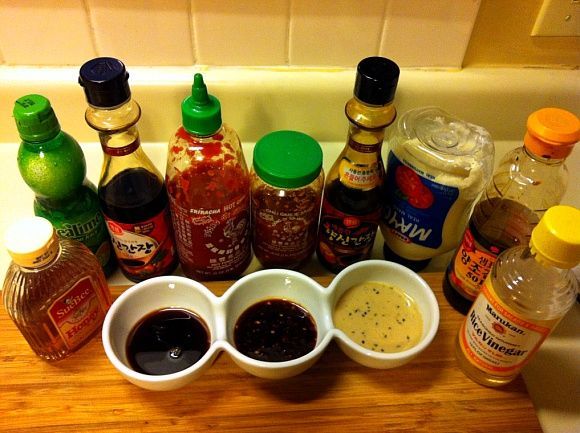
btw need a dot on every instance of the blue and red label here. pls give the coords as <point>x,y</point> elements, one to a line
<point>415,207</point>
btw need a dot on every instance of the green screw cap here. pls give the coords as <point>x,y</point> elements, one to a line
<point>287,159</point>
<point>35,118</point>
<point>201,113</point>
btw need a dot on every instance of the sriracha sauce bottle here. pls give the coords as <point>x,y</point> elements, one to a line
<point>209,191</point>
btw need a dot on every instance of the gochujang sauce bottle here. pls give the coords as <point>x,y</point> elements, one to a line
<point>131,190</point>
<point>209,191</point>
<point>351,206</point>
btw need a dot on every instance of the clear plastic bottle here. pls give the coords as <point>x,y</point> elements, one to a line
<point>209,191</point>
<point>131,190</point>
<point>528,291</point>
<point>52,164</point>
<point>286,183</point>
<point>54,291</point>
<point>528,181</point>
<point>437,168</point>
<point>351,204</point>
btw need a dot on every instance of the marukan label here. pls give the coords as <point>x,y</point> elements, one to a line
<point>78,313</point>
<point>471,266</point>
<point>495,339</point>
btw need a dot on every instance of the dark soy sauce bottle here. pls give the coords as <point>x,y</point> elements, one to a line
<point>131,190</point>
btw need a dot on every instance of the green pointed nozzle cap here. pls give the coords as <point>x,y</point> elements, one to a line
<point>201,113</point>
<point>35,118</point>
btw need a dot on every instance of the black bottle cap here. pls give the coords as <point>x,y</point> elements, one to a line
<point>105,81</point>
<point>376,80</point>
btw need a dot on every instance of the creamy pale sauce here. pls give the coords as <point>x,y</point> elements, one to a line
<point>379,317</point>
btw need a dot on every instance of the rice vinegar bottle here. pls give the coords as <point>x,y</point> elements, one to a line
<point>529,290</point>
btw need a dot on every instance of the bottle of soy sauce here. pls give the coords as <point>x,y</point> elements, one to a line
<point>131,190</point>
<point>351,206</point>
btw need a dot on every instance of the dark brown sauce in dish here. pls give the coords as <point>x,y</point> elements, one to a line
<point>167,341</point>
<point>275,330</point>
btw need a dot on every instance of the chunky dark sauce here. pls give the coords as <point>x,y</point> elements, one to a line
<point>275,330</point>
<point>167,341</point>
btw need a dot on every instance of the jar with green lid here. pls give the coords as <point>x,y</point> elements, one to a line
<point>286,183</point>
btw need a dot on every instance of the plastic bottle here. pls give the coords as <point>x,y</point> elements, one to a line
<point>437,167</point>
<point>131,190</point>
<point>54,291</point>
<point>209,191</point>
<point>53,165</point>
<point>526,294</point>
<point>528,180</point>
<point>351,206</point>
<point>286,182</point>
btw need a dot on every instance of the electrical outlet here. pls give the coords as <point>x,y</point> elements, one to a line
<point>558,18</point>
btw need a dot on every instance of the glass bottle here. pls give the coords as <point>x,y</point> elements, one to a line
<point>55,290</point>
<point>528,180</point>
<point>286,186</point>
<point>351,205</point>
<point>52,164</point>
<point>209,191</point>
<point>131,190</point>
<point>527,293</point>
<point>437,168</point>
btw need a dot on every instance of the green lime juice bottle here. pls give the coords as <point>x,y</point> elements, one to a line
<point>53,165</point>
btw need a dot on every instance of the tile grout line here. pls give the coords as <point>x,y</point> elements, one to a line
<point>89,21</point>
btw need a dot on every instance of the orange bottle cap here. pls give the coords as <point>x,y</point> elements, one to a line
<point>552,133</point>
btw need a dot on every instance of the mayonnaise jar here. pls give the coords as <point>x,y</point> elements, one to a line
<point>436,169</point>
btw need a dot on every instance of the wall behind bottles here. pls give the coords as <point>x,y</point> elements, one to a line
<point>302,33</point>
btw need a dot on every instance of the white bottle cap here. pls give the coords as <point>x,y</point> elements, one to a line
<point>31,242</point>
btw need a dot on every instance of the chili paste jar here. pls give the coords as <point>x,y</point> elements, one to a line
<point>286,186</point>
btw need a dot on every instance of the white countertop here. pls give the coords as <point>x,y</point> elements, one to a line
<point>552,376</point>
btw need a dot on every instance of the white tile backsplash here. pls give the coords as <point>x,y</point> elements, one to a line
<point>243,33</point>
<point>299,33</point>
<point>45,32</point>
<point>432,33</point>
<point>143,32</point>
<point>334,32</point>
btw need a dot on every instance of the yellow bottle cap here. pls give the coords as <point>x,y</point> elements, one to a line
<point>556,238</point>
<point>31,242</point>
<point>552,133</point>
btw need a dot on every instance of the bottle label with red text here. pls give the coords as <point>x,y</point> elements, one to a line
<point>495,339</point>
<point>78,313</point>
<point>415,206</point>
<point>471,265</point>
<point>145,248</point>
<point>213,242</point>
<point>345,239</point>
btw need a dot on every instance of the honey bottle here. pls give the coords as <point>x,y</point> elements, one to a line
<point>55,290</point>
